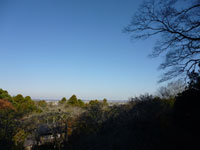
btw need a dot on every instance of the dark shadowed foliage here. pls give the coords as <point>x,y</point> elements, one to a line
<point>137,125</point>
<point>7,124</point>
<point>145,122</point>
<point>186,113</point>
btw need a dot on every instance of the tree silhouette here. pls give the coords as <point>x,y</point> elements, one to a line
<point>178,24</point>
<point>73,100</point>
<point>63,100</point>
<point>4,95</point>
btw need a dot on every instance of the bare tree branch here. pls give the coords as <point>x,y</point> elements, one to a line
<point>179,31</point>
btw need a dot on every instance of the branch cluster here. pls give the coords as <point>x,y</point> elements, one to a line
<point>178,25</point>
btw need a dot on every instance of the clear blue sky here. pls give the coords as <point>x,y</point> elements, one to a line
<point>56,48</point>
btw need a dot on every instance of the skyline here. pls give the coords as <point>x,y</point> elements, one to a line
<point>54,49</point>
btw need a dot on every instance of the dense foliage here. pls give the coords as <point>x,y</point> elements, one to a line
<point>145,122</point>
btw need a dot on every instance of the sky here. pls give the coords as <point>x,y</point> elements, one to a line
<point>51,49</point>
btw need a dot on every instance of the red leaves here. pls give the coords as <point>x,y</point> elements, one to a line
<point>6,105</point>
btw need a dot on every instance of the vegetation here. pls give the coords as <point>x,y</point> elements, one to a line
<point>144,122</point>
<point>168,120</point>
<point>7,123</point>
<point>4,95</point>
<point>179,28</point>
<point>73,101</point>
<point>63,100</point>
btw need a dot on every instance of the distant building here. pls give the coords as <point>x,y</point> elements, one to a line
<point>46,134</point>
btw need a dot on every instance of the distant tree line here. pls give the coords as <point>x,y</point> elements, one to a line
<point>145,122</point>
<point>168,120</point>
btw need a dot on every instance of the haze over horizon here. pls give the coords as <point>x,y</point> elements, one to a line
<point>53,49</point>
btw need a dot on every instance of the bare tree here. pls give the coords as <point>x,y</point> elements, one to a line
<point>177,22</point>
<point>172,89</point>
